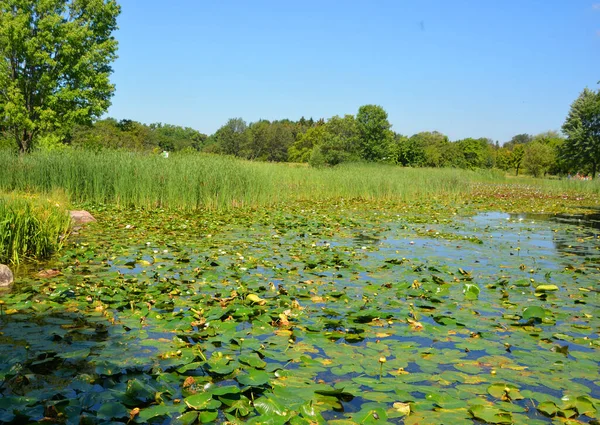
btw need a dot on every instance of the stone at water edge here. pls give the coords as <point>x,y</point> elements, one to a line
<point>6,276</point>
<point>81,217</point>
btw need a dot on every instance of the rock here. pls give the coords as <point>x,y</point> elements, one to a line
<point>81,217</point>
<point>6,276</point>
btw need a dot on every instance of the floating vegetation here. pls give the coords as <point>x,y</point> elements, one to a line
<point>341,313</point>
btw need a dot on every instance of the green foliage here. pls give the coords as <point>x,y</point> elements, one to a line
<point>268,141</point>
<point>50,142</point>
<point>538,158</point>
<point>132,135</point>
<point>435,146</point>
<point>198,180</point>
<point>330,144</point>
<point>477,153</point>
<point>409,151</point>
<point>519,139</point>
<point>302,149</point>
<point>517,156</point>
<point>555,142</point>
<point>54,64</point>
<point>345,128</point>
<point>230,139</point>
<point>374,132</point>
<point>582,127</point>
<point>30,228</point>
<point>175,138</point>
<point>504,159</point>
<point>317,159</point>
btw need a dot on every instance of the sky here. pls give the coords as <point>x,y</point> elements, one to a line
<point>465,68</point>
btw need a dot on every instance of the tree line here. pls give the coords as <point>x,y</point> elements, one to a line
<point>368,136</point>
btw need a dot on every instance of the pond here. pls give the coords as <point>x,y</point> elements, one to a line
<point>301,316</point>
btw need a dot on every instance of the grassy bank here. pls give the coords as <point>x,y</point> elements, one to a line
<point>30,228</point>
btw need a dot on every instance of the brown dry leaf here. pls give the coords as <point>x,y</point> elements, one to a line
<point>133,413</point>
<point>283,320</point>
<point>48,273</point>
<point>189,381</point>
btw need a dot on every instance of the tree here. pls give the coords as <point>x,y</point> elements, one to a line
<point>346,130</point>
<point>517,157</point>
<point>175,138</point>
<point>302,148</point>
<point>425,149</point>
<point>538,158</point>
<point>55,58</point>
<point>519,139</point>
<point>554,141</point>
<point>374,132</point>
<point>232,137</point>
<point>582,128</point>
<point>504,159</point>
<point>329,144</point>
<point>477,152</point>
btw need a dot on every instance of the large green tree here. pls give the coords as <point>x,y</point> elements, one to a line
<point>582,128</point>
<point>374,131</point>
<point>231,138</point>
<point>55,58</point>
<point>538,158</point>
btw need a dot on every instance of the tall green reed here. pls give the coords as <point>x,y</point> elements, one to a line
<point>30,228</point>
<point>193,181</point>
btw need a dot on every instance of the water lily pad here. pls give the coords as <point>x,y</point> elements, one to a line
<point>253,378</point>
<point>112,410</point>
<point>546,288</point>
<point>490,414</point>
<point>504,391</point>
<point>534,312</point>
<point>201,401</point>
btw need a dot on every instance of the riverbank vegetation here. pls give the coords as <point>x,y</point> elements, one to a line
<point>31,227</point>
<point>192,181</point>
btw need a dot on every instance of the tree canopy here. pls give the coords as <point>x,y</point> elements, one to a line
<point>55,58</point>
<point>582,128</point>
<point>374,131</point>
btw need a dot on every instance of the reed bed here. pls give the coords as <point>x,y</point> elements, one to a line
<point>193,181</point>
<point>31,228</point>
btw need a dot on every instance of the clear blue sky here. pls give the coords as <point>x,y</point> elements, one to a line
<point>466,68</point>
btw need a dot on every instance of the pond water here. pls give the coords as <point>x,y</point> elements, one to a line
<point>305,318</point>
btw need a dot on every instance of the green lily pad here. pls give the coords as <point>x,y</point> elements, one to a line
<point>112,410</point>
<point>534,312</point>
<point>490,414</point>
<point>253,378</point>
<point>546,288</point>
<point>201,401</point>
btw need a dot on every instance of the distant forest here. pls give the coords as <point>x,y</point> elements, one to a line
<point>366,136</point>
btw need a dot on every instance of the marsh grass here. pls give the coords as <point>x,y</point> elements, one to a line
<point>192,181</point>
<point>31,228</point>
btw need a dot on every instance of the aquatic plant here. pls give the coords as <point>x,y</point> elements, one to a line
<point>30,228</point>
